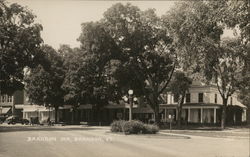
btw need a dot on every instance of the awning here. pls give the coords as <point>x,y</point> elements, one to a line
<point>5,110</point>
<point>115,106</point>
<point>30,110</point>
<point>65,107</point>
<point>87,106</point>
<point>145,110</point>
<point>142,110</point>
<point>45,109</point>
<point>18,106</point>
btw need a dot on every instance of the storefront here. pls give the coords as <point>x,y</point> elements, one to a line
<point>38,112</point>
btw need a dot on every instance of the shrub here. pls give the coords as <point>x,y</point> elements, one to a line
<point>117,126</point>
<point>151,129</point>
<point>133,127</point>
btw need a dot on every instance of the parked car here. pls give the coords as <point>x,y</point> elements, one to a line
<point>14,120</point>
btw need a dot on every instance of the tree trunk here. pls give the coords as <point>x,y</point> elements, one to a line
<point>179,116</point>
<point>56,110</point>
<point>157,115</point>
<point>223,114</point>
<point>155,106</point>
<point>73,116</point>
<point>179,108</point>
<point>98,114</point>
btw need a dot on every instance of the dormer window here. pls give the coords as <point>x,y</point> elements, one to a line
<point>188,97</point>
<point>175,98</point>
<point>166,99</point>
<point>3,98</point>
<point>9,98</point>
<point>200,96</point>
<point>215,98</point>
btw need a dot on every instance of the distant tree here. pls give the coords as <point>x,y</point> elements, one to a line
<point>19,45</point>
<point>43,83</point>
<point>140,44</point>
<point>86,80</point>
<point>196,27</point>
<point>244,84</point>
<point>73,83</point>
<point>179,86</point>
<point>244,95</point>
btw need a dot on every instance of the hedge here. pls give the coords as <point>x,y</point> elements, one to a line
<point>133,127</point>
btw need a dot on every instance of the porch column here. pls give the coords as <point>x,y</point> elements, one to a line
<point>214,115</point>
<point>165,114</point>
<point>234,118</point>
<point>244,115</point>
<point>201,115</point>
<point>189,112</point>
<point>176,111</point>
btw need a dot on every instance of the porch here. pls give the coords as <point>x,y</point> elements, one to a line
<point>193,114</point>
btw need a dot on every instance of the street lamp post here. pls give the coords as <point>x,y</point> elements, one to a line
<point>130,98</point>
<point>49,115</point>
<point>170,122</point>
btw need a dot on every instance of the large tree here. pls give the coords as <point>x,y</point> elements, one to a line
<point>179,86</point>
<point>86,80</point>
<point>19,44</point>
<point>197,27</point>
<point>43,83</point>
<point>226,69</point>
<point>74,84</point>
<point>140,43</point>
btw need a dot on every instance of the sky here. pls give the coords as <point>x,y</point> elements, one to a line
<point>61,19</point>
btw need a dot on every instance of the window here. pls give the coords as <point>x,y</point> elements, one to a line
<point>200,97</point>
<point>166,98</point>
<point>231,101</point>
<point>176,98</point>
<point>9,98</point>
<point>3,98</point>
<point>188,97</point>
<point>215,98</point>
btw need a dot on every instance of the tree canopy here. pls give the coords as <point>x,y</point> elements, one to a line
<point>19,44</point>
<point>197,27</point>
<point>179,86</point>
<point>129,49</point>
<point>137,46</point>
<point>43,83</point>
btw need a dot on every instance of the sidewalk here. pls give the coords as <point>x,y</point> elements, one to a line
<point>233,134</point>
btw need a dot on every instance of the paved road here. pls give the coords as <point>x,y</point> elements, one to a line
<point>98,142</point>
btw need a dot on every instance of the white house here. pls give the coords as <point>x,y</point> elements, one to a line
<point>203,105</point>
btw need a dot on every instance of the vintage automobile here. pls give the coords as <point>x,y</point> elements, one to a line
<point>14,120</point>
